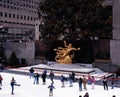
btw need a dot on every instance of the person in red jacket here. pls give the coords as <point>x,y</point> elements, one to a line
<point>1,81</point>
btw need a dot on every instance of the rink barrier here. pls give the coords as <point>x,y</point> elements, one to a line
<point>58,73</point>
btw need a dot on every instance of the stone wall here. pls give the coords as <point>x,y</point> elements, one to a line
<point>115,42</point>
<point>24,50</point>
<point>115,52</point>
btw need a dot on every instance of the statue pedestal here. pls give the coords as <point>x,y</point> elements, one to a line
<point>78,67</point>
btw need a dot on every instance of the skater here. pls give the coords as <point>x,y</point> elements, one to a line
<point>45,71</point>
<point>36,78</point>
<point>105,83</point>
<point>70,80</point>
<point>43,76</point>
<point>13,83</point>
<point>51,75</point>
<point>1,80</point>
<point>113,96</point>
<point>62,79</point>
<point>73,76</point>
<point>51,87</point>
<point>80,81</point>
<point>84,82</point>
<point>86,95</point>
<point>93,82</point>
<point>89,80</point>
<point>31,70</point>
<point>112,82</point>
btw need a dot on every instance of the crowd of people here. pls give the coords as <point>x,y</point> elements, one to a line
<point>83,81</point>
<point>70,78</point>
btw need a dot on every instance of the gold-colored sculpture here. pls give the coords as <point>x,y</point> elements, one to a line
<point>66,54</point>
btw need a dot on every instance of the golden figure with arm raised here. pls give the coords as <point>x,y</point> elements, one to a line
<point>64,55</point>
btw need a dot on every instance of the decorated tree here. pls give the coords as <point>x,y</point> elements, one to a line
<point>13,60</point>
<point>74,20</point>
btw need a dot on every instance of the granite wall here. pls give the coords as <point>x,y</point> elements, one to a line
<point>115,42</point>
<point>24,51</point>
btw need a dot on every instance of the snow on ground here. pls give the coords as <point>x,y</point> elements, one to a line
<point>28,89</point>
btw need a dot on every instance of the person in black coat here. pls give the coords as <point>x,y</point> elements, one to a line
<point>73,76</point>
<point>80,81</point>
<point>105,85</point>
<point>43,76</point>
<point>31,70</point>
<point>86,95</point>
<point>51,75</point>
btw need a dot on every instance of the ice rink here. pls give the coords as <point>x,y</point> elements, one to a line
<point>28,89</point>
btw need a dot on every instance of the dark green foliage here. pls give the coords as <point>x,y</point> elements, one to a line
<point>102,55</point>
<point>118,72</point>
<point>13,60</point>
<point>74,20</point>
<point>2,55</point>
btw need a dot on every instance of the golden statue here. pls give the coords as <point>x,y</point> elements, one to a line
<point>66,54</point>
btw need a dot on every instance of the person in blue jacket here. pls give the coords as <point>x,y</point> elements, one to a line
<point>51,87</point>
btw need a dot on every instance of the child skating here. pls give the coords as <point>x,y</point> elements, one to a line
<point>51,87</point>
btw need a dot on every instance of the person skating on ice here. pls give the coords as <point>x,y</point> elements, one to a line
<point>51,87</point>
<point>84,82</point>
<point>1,81</point>
<point>31,70</point>
<point>62,79</point>
<point>93,82</point>
<point>86,95</point>
<point>80,81</point>
<point>13,83</point>
<point>105,85</point>
<point>51,75</point>
<point>36,78</point>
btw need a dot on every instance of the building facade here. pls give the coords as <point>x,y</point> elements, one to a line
<point>115,42</point>
<point>17,28</point>
<point>18,17</point>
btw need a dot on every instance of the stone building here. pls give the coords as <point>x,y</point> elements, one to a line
<point>115,42</point>
<point>18,17</point>
<point>17,28</point>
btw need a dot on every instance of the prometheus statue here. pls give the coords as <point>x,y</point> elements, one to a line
<point>66,54</point>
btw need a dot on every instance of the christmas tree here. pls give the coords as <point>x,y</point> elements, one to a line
<point>74,20</point>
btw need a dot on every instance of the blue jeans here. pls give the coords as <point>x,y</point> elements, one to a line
<point>71,82</point>
<point>80,87</point>
<point>12,86</point>
<point>31,75</point>
<point>112,86</point>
